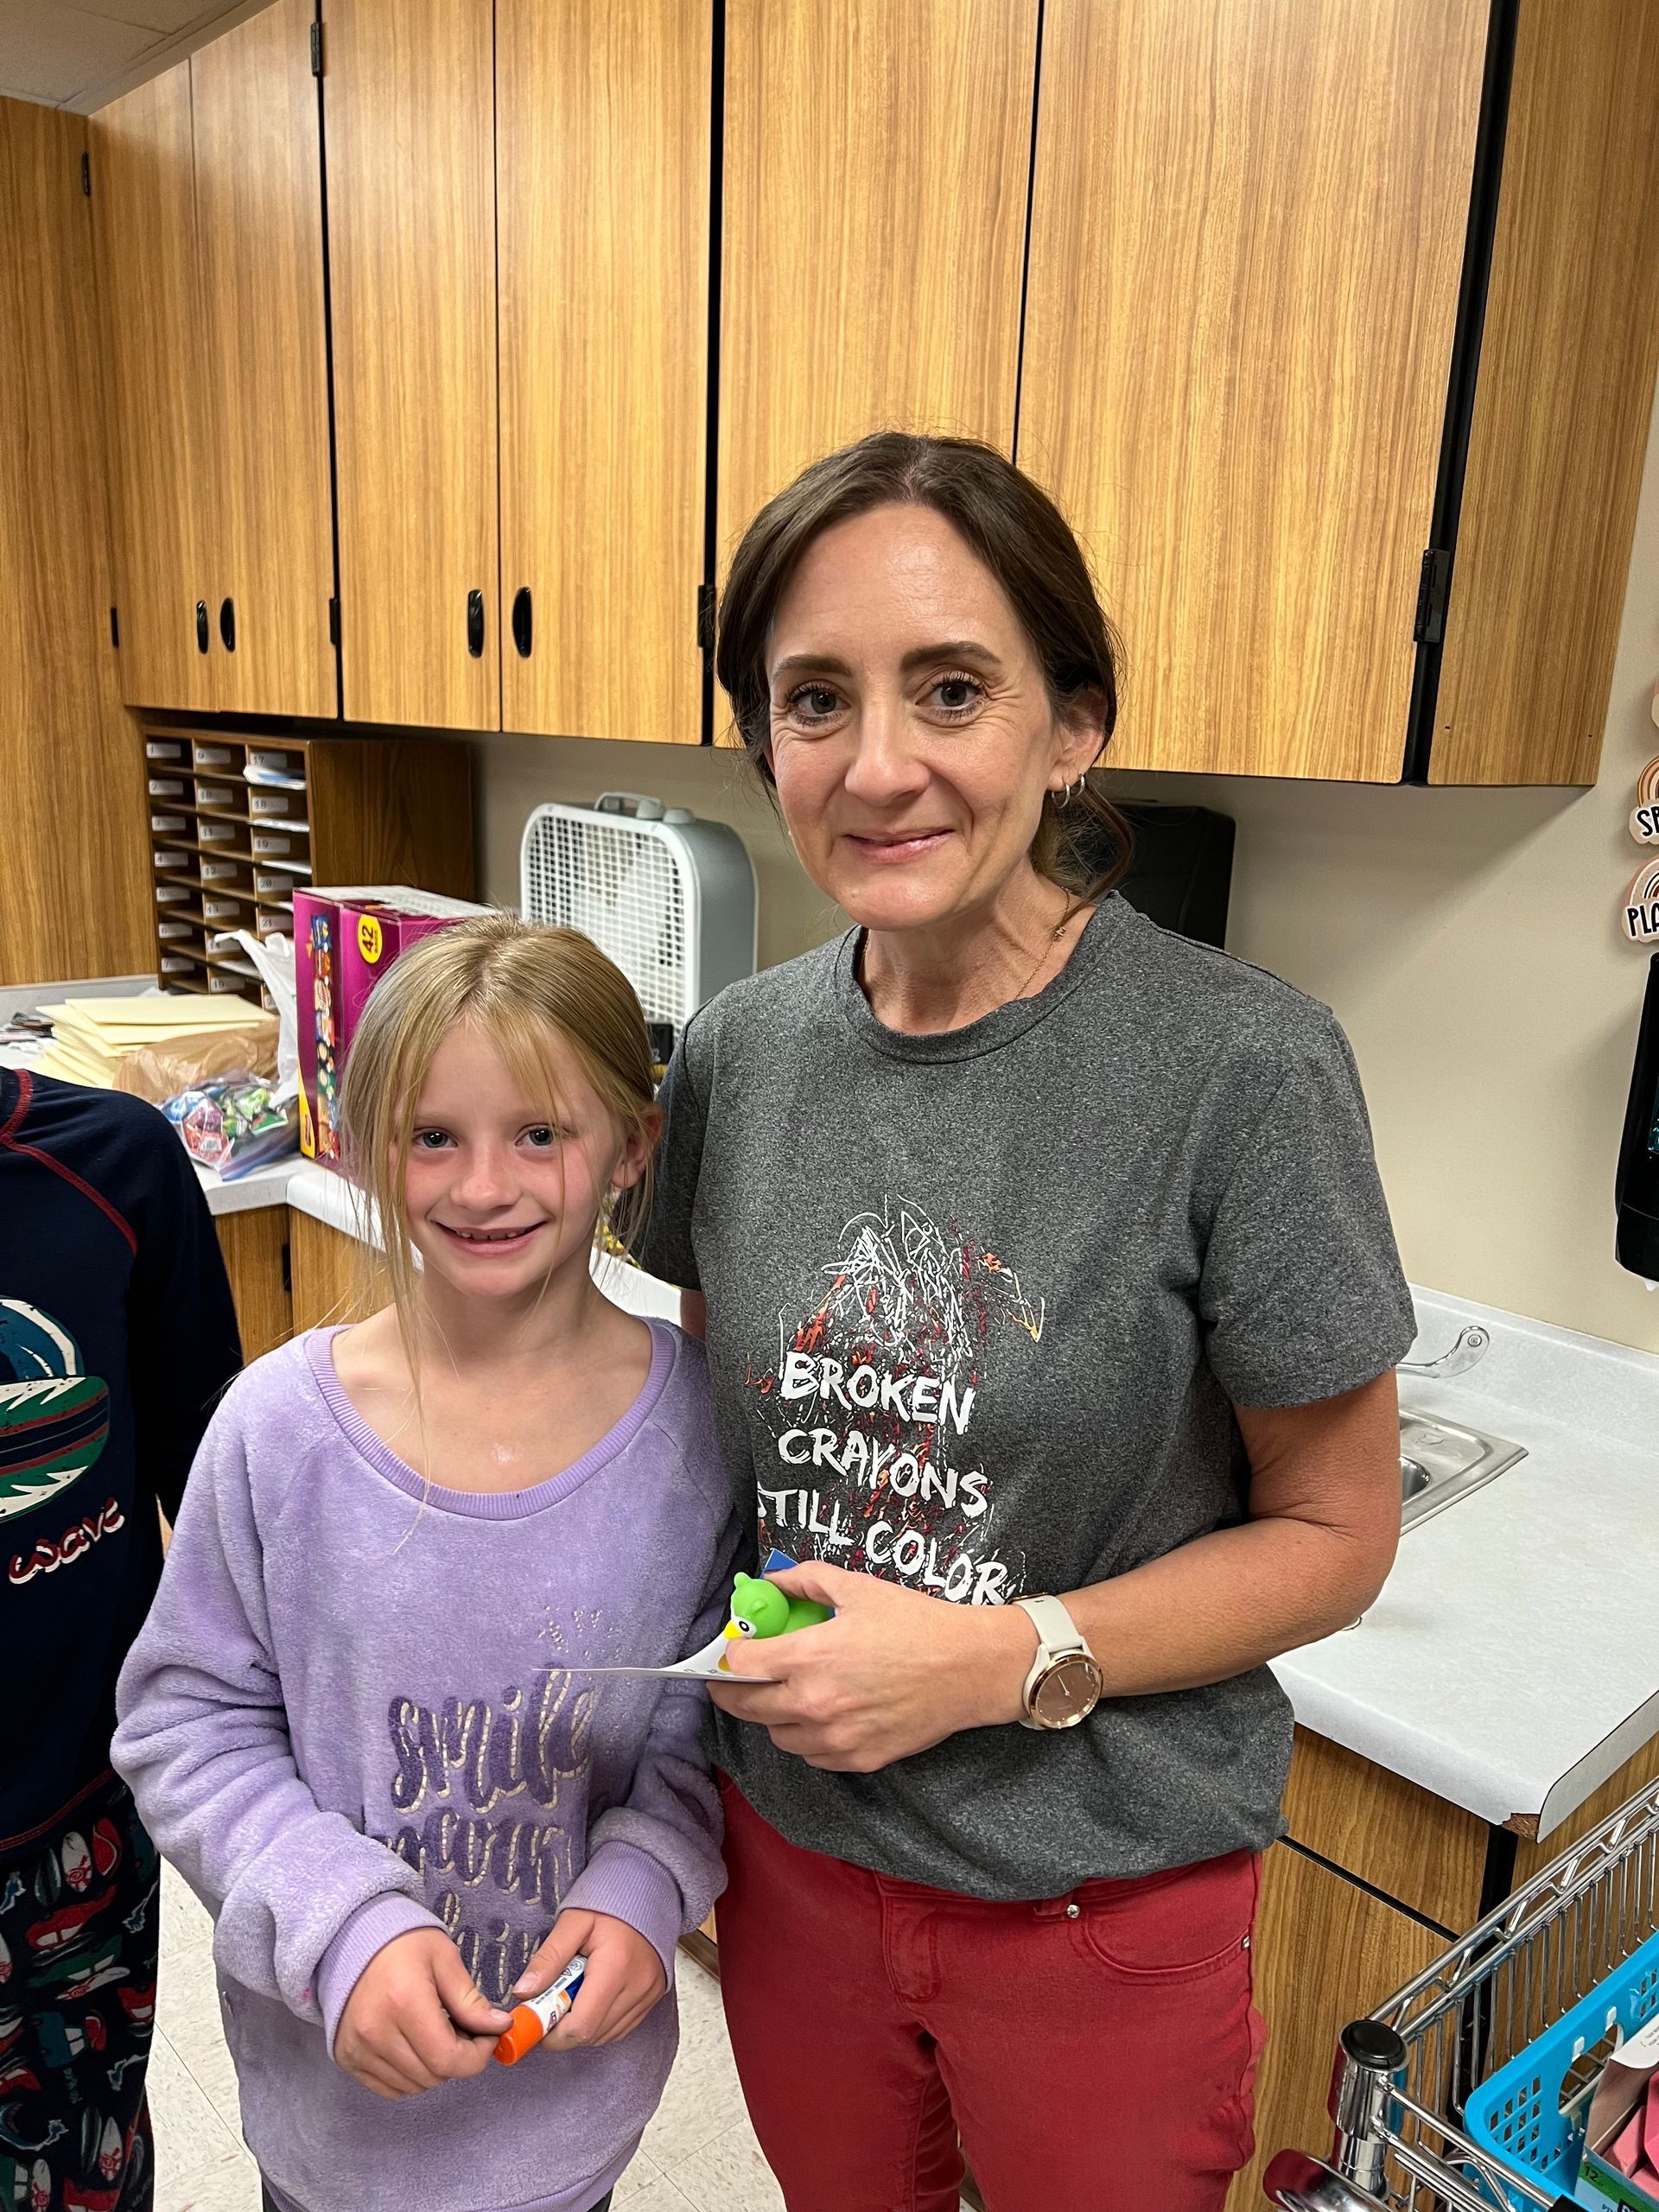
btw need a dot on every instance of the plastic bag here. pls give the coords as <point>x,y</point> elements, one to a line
<point>160,1070</point>
<point>235,1123</point>
<point>274,957</point>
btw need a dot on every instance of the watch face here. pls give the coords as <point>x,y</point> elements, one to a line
<point>1067,1693</point>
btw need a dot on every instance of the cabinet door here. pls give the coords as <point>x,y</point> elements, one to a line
<point>1247,234</point>
<point>254,1246</point>
<point>143,213</point>
<point>602,121</point>
<point>407,94</point>
<point>875,168</point>
<point>1567,353</point>
<point>264,358</point>
<point>1326,1951</point>
<point>334,1279</point>
<point>77,896</point>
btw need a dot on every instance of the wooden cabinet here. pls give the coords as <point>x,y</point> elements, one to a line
<point>75,901</point>
<point>1326,1951</point>
<point>1561,406</point>
<point>408,90</point>
<point>602,153</point>
<point>876,157</point>
<point>264,365</point>
<point>1259,317</point>
<point>162,497</point>
<point>255,1247</point>
<point>1426,1855</point>
<point>1333,329</point>
<point>334,1276</point>
<point>1246,231</point>
<point>206,199</point>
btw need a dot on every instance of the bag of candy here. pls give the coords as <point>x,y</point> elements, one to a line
<point>234,1124</point>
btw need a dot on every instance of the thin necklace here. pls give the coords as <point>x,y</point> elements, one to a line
<point>1049,944</point>
<point>1050,941</point>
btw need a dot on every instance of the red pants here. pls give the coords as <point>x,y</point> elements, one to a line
<point>1094,2051</point>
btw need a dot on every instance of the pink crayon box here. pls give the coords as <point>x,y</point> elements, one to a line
<point>375,929</point>
<point>345,939</point>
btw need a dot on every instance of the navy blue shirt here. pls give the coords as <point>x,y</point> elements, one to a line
<point>116,1337</point>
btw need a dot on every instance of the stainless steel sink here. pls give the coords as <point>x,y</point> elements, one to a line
<point>1441,1461</point>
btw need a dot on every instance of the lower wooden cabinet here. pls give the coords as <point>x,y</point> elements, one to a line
<point>1326,1951</point>
<point>333,1279</point>
<point>255,1249</point>
<point>1393,1835</point>
<point>290,1273</point>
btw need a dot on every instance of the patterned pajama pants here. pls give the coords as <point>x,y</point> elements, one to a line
<point>80,1913</point>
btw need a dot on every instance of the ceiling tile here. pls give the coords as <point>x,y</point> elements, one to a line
<point>52,51</point>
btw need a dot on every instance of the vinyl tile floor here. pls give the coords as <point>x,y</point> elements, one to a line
<point>699,2153</point>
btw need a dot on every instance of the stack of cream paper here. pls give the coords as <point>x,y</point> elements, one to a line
<point>92,1037</point>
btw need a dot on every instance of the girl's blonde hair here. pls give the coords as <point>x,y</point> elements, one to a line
<point>522,987</point>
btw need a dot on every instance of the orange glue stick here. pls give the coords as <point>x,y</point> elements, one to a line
<point>536,2017</point>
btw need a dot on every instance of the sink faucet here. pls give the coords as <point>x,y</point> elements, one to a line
<point>1469,1347</point>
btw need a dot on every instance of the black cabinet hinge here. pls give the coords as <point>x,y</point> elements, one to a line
<point>705,618</point>
<point>86,175</point>
<point>316,49</point>
<point>115,628</point>
<point>1430,626</point>
<point>334,621</point>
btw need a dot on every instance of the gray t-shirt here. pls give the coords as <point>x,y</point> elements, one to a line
<point>980,1306</point>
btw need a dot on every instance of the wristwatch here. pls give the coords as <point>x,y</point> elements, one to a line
<point>1065,1683</point>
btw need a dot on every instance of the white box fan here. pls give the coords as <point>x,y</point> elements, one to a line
<point>669,897</point>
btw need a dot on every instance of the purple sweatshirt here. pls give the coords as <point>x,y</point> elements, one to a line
<point>346,1717</point>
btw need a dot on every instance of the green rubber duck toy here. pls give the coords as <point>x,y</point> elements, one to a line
<point>762,1609</point>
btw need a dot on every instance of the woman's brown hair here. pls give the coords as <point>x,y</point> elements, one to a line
<point>1021,536</point>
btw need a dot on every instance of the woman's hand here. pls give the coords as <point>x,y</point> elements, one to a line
<point>415,2017</point>
<point>893,1672</point>
<point>624,1979</point>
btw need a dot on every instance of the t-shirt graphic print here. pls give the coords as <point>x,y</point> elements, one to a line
<point>871,1406</point>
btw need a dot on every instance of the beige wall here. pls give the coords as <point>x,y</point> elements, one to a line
<point>1469,941</point>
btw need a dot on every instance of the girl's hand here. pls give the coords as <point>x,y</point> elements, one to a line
<point>624,1981</point>
<point>415,2017</point>
<point>893,1672</point>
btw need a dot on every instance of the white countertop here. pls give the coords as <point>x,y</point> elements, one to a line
<point>260,1187</point>
<point>329,1197</point>
<point>1512,1664</point>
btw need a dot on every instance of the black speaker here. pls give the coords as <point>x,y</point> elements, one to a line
<point>1181,868</point>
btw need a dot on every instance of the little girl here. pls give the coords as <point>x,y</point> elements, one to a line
<point>350,1720</point>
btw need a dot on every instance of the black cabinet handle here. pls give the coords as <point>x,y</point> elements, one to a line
<point>524,621</point>
<point>201,625</point>
<point>475,624</point>
<point>227,623</point>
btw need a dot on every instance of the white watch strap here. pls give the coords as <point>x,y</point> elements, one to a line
<point>1057,1632</point>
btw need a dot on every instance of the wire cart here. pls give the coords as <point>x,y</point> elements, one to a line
<point>1405,2075</point>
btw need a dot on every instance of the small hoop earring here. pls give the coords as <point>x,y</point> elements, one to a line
<point>1063,798</point>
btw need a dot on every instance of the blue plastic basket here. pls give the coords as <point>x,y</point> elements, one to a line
<point>1516,2114</point>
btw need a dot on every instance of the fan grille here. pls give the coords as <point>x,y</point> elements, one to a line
<point>620,886</point>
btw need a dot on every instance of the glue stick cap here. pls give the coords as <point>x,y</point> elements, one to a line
<point>521,2035</point>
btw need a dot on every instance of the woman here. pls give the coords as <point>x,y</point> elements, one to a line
<point>1052,1309</point>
